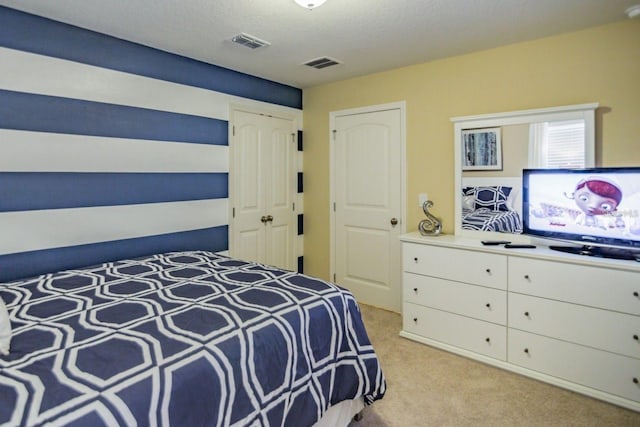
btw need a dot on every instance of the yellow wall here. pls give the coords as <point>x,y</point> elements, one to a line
<point>601,65</point>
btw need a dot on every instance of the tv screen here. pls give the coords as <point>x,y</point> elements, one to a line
<point>599,206</point>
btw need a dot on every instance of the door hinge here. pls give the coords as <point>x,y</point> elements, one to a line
<point>233,131</point>
<point>334,134</point>
<point>233,212</point>
<point>334,277</point>
<point>294,207</point>
<point>293,137</point>
<point>334,206</point>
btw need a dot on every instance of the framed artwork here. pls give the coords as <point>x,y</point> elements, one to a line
<point>481,149</point>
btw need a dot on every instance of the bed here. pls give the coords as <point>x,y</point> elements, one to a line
<point>492,204</point>
<point>183,338</point>
<point>484,219</point>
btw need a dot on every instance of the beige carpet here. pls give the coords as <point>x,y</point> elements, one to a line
<point>431,387</point>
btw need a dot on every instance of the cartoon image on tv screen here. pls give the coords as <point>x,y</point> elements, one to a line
<point>606,205</point>
<point>598,199</point>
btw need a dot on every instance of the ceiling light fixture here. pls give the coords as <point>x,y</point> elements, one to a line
<point>310,4</point>
<point>632,12</point>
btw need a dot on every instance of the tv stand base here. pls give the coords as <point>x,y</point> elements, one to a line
<point>600,252</point>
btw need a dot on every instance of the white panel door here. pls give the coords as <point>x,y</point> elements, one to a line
<point>262,181</point>
<point>248,231</point>
<point>280,188</point>
<point>368,211</point>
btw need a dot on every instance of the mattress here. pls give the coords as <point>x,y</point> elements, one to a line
<point>182,338</point>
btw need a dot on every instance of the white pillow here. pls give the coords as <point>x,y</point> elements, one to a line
<point>468,203</point>
<point>511,200</point>
<point>5,329</point>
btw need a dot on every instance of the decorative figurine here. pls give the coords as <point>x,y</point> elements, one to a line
<point>432,226</point>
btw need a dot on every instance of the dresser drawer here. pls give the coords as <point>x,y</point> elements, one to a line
<point>606,330</point>
<point>597,287</point>
<point>456,264</point>
<point>459,331</point>
<point>469,300</point>
<point>590,367</point>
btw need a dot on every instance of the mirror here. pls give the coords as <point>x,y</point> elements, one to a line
<point>492,149</point>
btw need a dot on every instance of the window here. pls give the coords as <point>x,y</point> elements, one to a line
<point>557,144</point>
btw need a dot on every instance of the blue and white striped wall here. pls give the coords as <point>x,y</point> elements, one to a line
<point>110,149</point>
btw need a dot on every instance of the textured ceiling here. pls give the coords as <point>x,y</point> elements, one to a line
<point>365,35</point>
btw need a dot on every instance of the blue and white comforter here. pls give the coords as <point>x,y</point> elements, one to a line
<point>189,338</point>
<point>485,219</point>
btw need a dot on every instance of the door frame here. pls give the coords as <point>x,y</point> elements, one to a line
<point>400,105</point>
<point>272,111</point>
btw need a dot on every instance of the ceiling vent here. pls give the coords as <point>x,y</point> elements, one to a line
<point>320,63</point>
<point>249,41</point>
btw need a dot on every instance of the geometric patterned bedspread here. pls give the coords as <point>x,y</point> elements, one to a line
<point>484,219</point>
<point>183,338</point>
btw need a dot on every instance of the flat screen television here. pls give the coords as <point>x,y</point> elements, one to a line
<point>596,210</point>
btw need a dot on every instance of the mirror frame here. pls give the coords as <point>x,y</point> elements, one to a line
<point>567,112</point>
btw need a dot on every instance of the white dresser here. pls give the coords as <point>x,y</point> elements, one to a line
<point>569,320</point>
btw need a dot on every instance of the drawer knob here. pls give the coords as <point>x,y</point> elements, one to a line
<point>415,320</point>
<point>487,339</point>
<point>526,350</point>
<point>488,270</point>
<point>526,276</point>
<point>636,381</point>
<point>415,259</point>
<point>415,290</point>
<point>635,337</point>
<point>488,305</point>
<point>526,313</point>
<point>635,294</point>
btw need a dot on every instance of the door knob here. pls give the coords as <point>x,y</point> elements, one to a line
<point>269,218</point>
<point>394,221</point>
<point>263,219</point>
